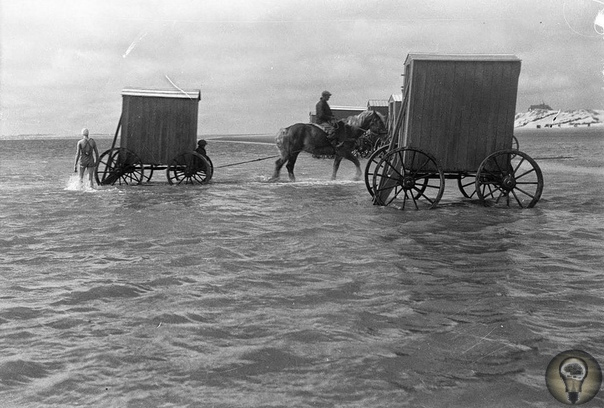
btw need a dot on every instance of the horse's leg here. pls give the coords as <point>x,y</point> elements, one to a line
<point>348,155</point>
<point>336,165</point>
<point>290,166</point>
<point>278,165</point>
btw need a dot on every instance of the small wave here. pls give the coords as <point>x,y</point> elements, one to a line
<point>100,293</point>
<point>558,167</point>
<point>309,182</point>
<point>21,371</point>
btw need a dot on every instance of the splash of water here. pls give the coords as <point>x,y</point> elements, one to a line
<point>74,184</point>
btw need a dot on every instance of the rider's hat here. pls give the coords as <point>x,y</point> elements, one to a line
<point>326,93</point>
<point>202,143</point>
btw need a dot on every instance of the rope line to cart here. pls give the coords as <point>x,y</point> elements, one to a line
<point>248,161</point>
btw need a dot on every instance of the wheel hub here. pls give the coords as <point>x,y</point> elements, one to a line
<point>408,182</point>
<point>509,182</point>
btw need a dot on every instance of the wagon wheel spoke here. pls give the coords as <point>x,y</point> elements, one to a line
<point>518,165</point>
<point>467,188</point>
<point>407,194</point>
<point>517,199</point>
<point>520,181</point>
<point>397,191</point>
<point>421,194</point>
<point>525,174</point>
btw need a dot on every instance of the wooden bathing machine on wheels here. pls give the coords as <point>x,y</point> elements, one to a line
<point>158,132</point>
<point>456,122</point>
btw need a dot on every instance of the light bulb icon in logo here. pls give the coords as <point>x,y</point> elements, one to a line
<point>573,371</point>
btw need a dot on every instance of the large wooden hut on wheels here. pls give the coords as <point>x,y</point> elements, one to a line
<point>158,131</point>
<point>159,124</point>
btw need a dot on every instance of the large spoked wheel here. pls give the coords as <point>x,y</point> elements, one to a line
<point>509,178</point>
<point>467,185</point>
<point>189,168</point>
<point>372,162</point>
<point>119,165</point>
<point>407,175</point>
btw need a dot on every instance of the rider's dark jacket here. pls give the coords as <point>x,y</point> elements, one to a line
<point>323,111</point>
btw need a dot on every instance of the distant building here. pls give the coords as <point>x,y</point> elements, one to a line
<point>542,106</point>
<point>340,112</point>
<point>378,105</point>
<point>394,107</point>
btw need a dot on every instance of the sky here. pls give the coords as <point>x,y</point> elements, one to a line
<point>262,64</point>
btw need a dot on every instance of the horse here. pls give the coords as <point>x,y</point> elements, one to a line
<point>312,139</point>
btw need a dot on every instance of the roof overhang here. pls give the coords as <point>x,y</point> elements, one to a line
<point>163,93</point>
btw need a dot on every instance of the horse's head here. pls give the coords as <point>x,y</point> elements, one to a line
<point>377,123</point>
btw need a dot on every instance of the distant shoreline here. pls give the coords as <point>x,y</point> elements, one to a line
<point>270,138</point>
<point>242,138</point>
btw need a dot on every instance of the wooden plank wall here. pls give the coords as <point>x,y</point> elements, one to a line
<point>461,111</point>
<point>158,129</point>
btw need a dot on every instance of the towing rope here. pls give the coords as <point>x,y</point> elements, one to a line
<point>248,161</point>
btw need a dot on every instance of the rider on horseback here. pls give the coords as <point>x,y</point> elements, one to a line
<point>326,119</point>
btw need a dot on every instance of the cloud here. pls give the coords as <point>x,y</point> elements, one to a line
<point>261,64</point>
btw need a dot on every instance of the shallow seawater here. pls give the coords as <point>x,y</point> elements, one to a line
<point>246,293</point>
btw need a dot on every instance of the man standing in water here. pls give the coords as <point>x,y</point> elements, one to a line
<point>325,117</point>
<point>84,155</point>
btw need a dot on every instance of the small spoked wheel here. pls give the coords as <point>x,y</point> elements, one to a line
<point>515,144</point>
<point>189,168</point>
<point>467,185</point>
<point>372,162</point>
<point>509,178</point>
<point>119,165</point>
<point>407,175</point>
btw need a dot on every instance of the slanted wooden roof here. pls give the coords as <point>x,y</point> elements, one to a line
<point>395,98</point>
<point>460,57</point>
<point>376,102</point>
<point>163,93</point>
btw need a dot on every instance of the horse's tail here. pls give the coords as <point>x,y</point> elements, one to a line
<point>279,138</point>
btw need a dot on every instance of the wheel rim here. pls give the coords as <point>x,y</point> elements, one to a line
<point>515,144</point>
<point>509,178</point>
<point>189,168</point>
<point>149,173</point>
<point>408,176</point>
<point>467,185</point>
<point>372,162</point>
<point>119,165</point>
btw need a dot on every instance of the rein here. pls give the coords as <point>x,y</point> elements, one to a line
<point>247,161</point>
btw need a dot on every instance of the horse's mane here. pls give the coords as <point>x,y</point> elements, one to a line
<point>361,120</point>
